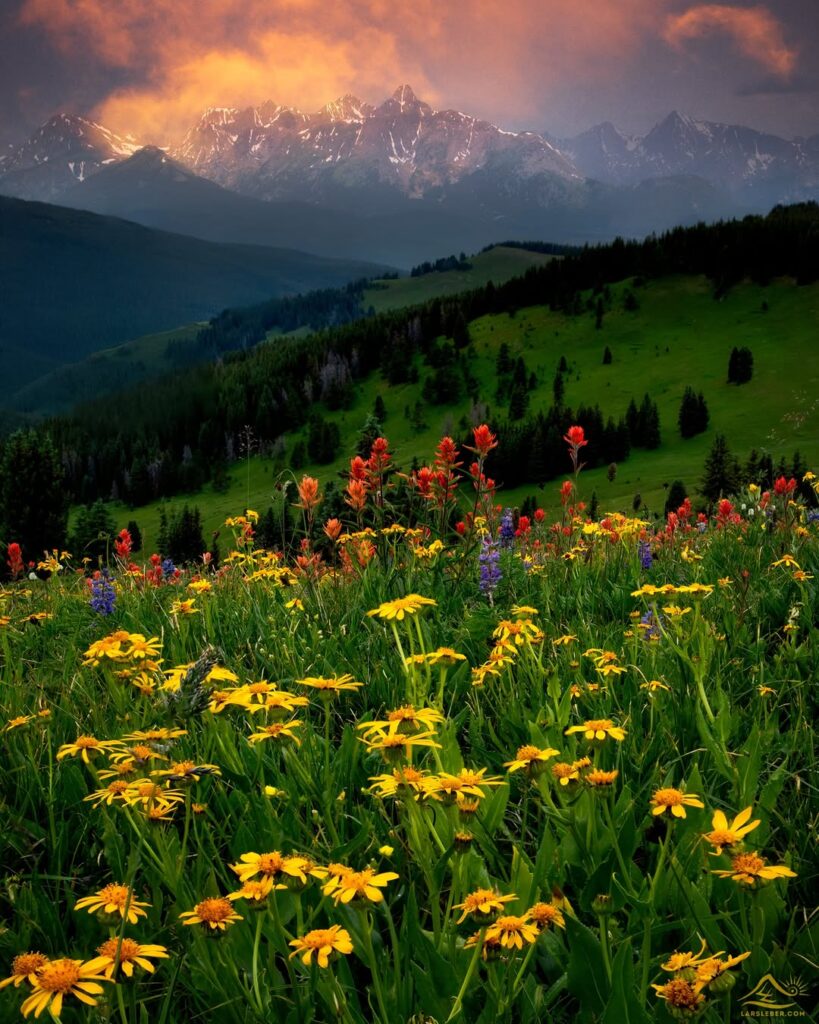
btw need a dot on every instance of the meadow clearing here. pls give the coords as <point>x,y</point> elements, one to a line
<point>466,767</point>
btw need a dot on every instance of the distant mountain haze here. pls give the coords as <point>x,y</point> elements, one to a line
<point>402,182</point>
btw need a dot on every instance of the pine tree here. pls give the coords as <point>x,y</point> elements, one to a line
<point>693,416</point>
<point>136,536</point>
<point>721,475</point>
<point>598,314</point>
<point>93,535</point>
<point>558,390</point>
<point>740,365</point>
<point>676,496</point>
<point>607,356</point>
<point>33,499</point>
<point>379,409</point>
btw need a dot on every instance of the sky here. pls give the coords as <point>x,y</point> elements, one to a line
<point>150,67</point>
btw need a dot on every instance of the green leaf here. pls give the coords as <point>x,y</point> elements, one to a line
<point>623,1006</point>
<point>586,974</point>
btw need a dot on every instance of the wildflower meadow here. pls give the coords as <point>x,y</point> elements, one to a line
<point>468,766</point>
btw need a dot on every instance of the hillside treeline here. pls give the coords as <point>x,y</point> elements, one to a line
<point>174,434</point>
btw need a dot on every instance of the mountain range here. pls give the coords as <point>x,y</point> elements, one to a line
<point>401,181</point>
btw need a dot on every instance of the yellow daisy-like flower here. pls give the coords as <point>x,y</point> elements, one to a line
<point>713,967</point>
<point>598,729</point>
<point>333,684</point>
<point>406,719</point>
<point>187,607</point>
<point>482,904</point>
<point>524,611</point>
<point>113,793</point>
<point>531,758</point>
<point>256,891</point>
<point>407,779</point>
<point>126,953</point>
<point>512,931</point>
<point>86,745</point>
<point>155,735</point>
<point>787,560</point>
<point>750,868</point>
<point>600,779</point>
<point>200,586</point>
<point>24,967</point>
<point>441,656</point>
<point>147,793</point>
<point>402,606</point>
<point>361,885</point>
<point>140,647</point>
<point>278,731</point>
<point>545,915</point>
<point>186,771</point>
<point>322,943</point>
<point>60,978</point>
<point>725,834</point>
<point>652,685</point>
<point>17,723</point>
<point>114,900</point>
<point>518,632</point>
<point>680,994</point>
<point>674,800</point>
<point>565,640</point>
<point>215,913</point>
<point>679,961</point>
<point>565,773</point>
<point>393,743</point>
<point>467,783</point>
<point>271,865</point>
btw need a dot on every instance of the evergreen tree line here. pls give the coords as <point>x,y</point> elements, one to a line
<point>441,265</point>
<point>174,434</point>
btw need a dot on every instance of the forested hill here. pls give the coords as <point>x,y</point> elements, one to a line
<point>74,283</point>
<point>171,435</point>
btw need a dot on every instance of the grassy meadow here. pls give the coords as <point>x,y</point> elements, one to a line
<point>679,336</point>
<point>524,770</point>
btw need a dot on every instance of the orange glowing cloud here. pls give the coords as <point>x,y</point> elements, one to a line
<point>181,56</point>
<point>755,30</point>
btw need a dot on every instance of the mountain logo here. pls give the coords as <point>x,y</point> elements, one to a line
<point>772,998</point>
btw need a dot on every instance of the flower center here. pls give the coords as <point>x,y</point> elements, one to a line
<point>116,894</point>
<point>214,910</point>
<point>119,786</point>
<point>27,963</point>
<point>722,838</point>
<point>271,863</point>
<point>128,949</point>
<point>599,723</point>
<point>527,753</point>
<point>669,797</point>
<point>59,975</point>
<point>748,862</point>
<point>320,937</point>
<point>86,742</point>
<point>680,994</point>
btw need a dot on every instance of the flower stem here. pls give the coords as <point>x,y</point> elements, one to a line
<point>457,1006</point>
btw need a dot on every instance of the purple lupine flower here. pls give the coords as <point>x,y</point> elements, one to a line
<point>813,517</point>
<point>644,550</point>
<point>168,568</point>
<point>507,529</point>
<point>490,571</point>
<point>103,594</point>
<point>651,627</point>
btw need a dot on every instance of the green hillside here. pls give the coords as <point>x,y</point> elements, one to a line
<point>153,355</point>
<point>497,264</point>
<point>679,335</point>
<point>75,283</point>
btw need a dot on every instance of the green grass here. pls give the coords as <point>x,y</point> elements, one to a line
<point>497,265</point>
<point>777,411</point>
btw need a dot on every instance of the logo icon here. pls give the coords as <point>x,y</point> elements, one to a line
<point>771,998</point>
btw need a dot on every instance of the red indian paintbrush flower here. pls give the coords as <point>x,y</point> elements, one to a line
<point>576,437</point>
<point>485,440</point>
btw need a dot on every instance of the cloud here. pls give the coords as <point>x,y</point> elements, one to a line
<point>176,57</point>
<point>755,30</point>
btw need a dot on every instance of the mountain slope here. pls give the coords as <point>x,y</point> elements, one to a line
<point>74,282</point>
<point>63,151</point>
<point>154,189</point>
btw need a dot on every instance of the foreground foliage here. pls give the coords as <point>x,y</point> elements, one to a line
<point>476,767</point>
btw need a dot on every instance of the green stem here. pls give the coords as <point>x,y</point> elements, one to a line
<point>368,945</point>
<point>457,1006</point>
<point>255,963</point>
<point>604,944</point>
